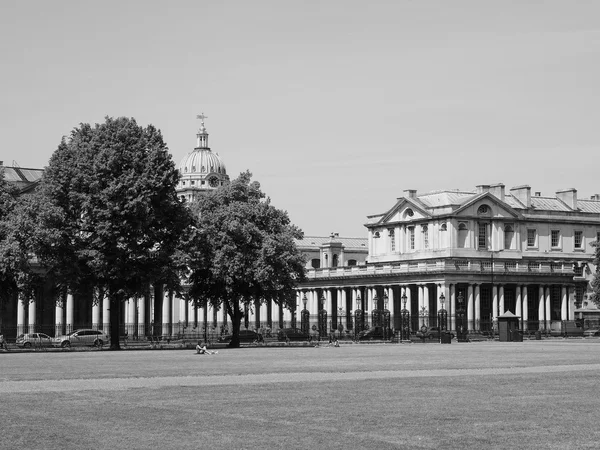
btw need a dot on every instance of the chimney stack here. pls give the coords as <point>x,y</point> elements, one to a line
<point>568,196</point>
<point>497,190</point>
<point>523,194</point>
<point>412,193</point>
<point>483,188</point>
<point>595,197</point>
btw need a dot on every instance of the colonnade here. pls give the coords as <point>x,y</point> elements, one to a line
<point>167,315</point>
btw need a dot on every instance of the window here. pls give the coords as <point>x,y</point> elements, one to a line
<point>578,239</point>
<point>392,239</point>
<point>482,236</point>
<point>509,234</point>
<point>531,237</point>
<point>483,210</point>
<point>409,212</point>
<point>351,262</point>
<point>463,232</point>
<point>425,236</point>
<point>192,182</point>
<point>444,227</point>
<point>315,263</point>
<point>411,234</point>
<point>555,238</point>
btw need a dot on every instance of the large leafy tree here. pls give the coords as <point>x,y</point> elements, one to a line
<point>241,251</point>
<point>113,220</point>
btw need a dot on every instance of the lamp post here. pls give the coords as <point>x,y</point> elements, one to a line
<point>404,320</point>
<point>322,317</point>
<point>304,317</point>
<point>461,332</point>
<point>358,317</point>
<point>340,325</point>
<point>442,318</point>
<point>385,316</point>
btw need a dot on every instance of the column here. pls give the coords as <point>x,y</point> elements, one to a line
<point>501,310</point>
<point>391,306</point>
<point>96,313</point>
<point>70,305</point>
<point>452,312</point>
<point>518,309</point>
<point>564,304</point>
<point>106,314</point>
<point>426,301</point>
<point>494,303</point>
<point>166,313</point>
<point>131,316</point>
<point>421,303</point>
<point>21,305</point>
<point>354,299</point>
<point>141,317</point>
<point>470,302</point>
<point>477,312</point>
<point>58,318</point>
<point>571,294</point>
<point>525,308</point>
<point>541,312</point>
<point>31,316</point>
<point>548,308</point>
<point>407,291</point>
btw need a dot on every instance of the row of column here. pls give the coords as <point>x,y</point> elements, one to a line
<point>178,311</point>
<point>471,301</point>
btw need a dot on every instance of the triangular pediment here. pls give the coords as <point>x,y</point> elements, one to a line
<point>486,205</point>
<point>405,210</point>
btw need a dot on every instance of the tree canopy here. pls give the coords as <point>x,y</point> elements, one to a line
<point>111,217</point>
<point>241,250</point>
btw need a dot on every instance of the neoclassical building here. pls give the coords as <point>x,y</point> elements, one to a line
<point>484,252</point>
<point>488,251</point>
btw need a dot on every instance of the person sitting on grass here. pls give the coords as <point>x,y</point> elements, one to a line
<point>202,350</point>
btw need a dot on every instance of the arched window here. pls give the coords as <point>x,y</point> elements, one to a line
<point>484,210</point>
<point>444,227</point>
<point>334,261</point>
<point>425,230</point>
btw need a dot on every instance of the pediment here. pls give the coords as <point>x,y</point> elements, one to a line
<point>487,205</point>
<point>405,210</point>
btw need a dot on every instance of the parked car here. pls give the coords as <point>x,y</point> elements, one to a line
<point>245,336</point>
<point>34,340</point>
<point>591,332</point>
<point>292,334</point>
<point>380,333</point>
<point>566,328</point>
<point>430,333</point>
<point>79,338</point>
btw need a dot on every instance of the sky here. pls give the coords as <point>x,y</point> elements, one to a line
<point>336,107</point>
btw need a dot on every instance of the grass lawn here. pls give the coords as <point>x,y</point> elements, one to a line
<point>535,394</point>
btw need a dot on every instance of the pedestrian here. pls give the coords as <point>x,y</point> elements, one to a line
<point>3,342</point>
<point>202,350</point>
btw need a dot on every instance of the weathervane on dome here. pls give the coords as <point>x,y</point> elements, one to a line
<point>202,134</point>
<point>201,116</point>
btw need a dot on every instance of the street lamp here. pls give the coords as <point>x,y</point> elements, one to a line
<point>461,332</point>
<point>358,316</point>
<point>442,319</point>
<point>385,316</point>
<point>304,316</point>
<point>322,316</point>
<point>340,325</point>
<point>404,320</point>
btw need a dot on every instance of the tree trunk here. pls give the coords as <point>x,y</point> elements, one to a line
<point>236,320</point>
<point>115,315</point>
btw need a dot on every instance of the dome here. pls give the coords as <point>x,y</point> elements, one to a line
<point>201,162</point>
<point>201,170</point>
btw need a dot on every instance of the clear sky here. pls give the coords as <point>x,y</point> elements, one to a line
<point>336,107</point>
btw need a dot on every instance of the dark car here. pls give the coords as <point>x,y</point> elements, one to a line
<point>379,333</point>
<point>292,334</point>
<point>430,333</point>
<point>245,336</point>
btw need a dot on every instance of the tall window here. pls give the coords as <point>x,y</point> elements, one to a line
<point>425,236</point>
<point>531,237</point>
<point>462,235</point>
<point>578,239</point>
<point>509,234</point>
<point>411,237</point>
<point>482,236</point>
<point>555,238</point>
<point>392,239</point>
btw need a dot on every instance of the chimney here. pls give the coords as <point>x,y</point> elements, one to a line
<point>497,190</point>
<point>523,194</point>
<point>412,193</point>
<point>568,196</point>
<point>483,188</point>
<point>595,197</point>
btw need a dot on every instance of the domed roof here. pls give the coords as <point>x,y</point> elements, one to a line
<point>201,161</point>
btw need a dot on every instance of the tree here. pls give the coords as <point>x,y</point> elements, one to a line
<point>241,250</point>
<point>113,220</point>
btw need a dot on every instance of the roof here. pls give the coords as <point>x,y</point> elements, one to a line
<point>23,178</point>
<point>445,198</point>
<point>319,241</point>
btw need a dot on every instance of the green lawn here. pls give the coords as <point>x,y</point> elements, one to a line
<point>535,394</point>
